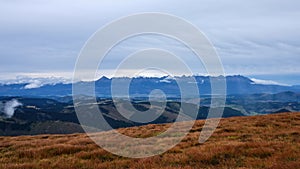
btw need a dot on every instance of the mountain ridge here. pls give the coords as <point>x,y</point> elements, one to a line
<point>142,86</point>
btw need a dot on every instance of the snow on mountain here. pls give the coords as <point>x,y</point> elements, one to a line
<point>167,79</point>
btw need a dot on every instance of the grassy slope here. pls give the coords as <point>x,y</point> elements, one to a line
<point>271,141</point>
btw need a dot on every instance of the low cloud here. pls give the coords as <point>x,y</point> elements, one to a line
<point>10,107</point>
<point>34,84</point>
<point>267,82</point>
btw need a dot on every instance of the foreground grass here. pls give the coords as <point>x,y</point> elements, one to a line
<point>271,141</point>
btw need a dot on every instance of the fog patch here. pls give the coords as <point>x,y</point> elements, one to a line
<point>10,107</point>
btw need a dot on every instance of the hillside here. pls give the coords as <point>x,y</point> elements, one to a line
<point>269,141</point>
<point>31,116</point>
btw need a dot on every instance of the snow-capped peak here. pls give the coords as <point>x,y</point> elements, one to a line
<point>167,79</point>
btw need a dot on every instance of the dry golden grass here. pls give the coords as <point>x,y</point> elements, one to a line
<point>271,141</point>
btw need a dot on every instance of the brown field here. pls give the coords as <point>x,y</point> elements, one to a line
<point>271,141</point>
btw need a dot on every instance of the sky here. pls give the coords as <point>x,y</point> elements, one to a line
<point>42,39</point>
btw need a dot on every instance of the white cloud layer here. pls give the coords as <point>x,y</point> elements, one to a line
<point>36,82</point>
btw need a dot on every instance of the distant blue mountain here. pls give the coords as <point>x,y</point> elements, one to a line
<point>142,86</point>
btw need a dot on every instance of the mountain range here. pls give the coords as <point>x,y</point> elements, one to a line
<point>142,86</point>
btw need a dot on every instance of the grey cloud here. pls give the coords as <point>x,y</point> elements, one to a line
<point>46,36</point>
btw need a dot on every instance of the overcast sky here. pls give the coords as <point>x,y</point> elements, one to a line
<point>257,38</point>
